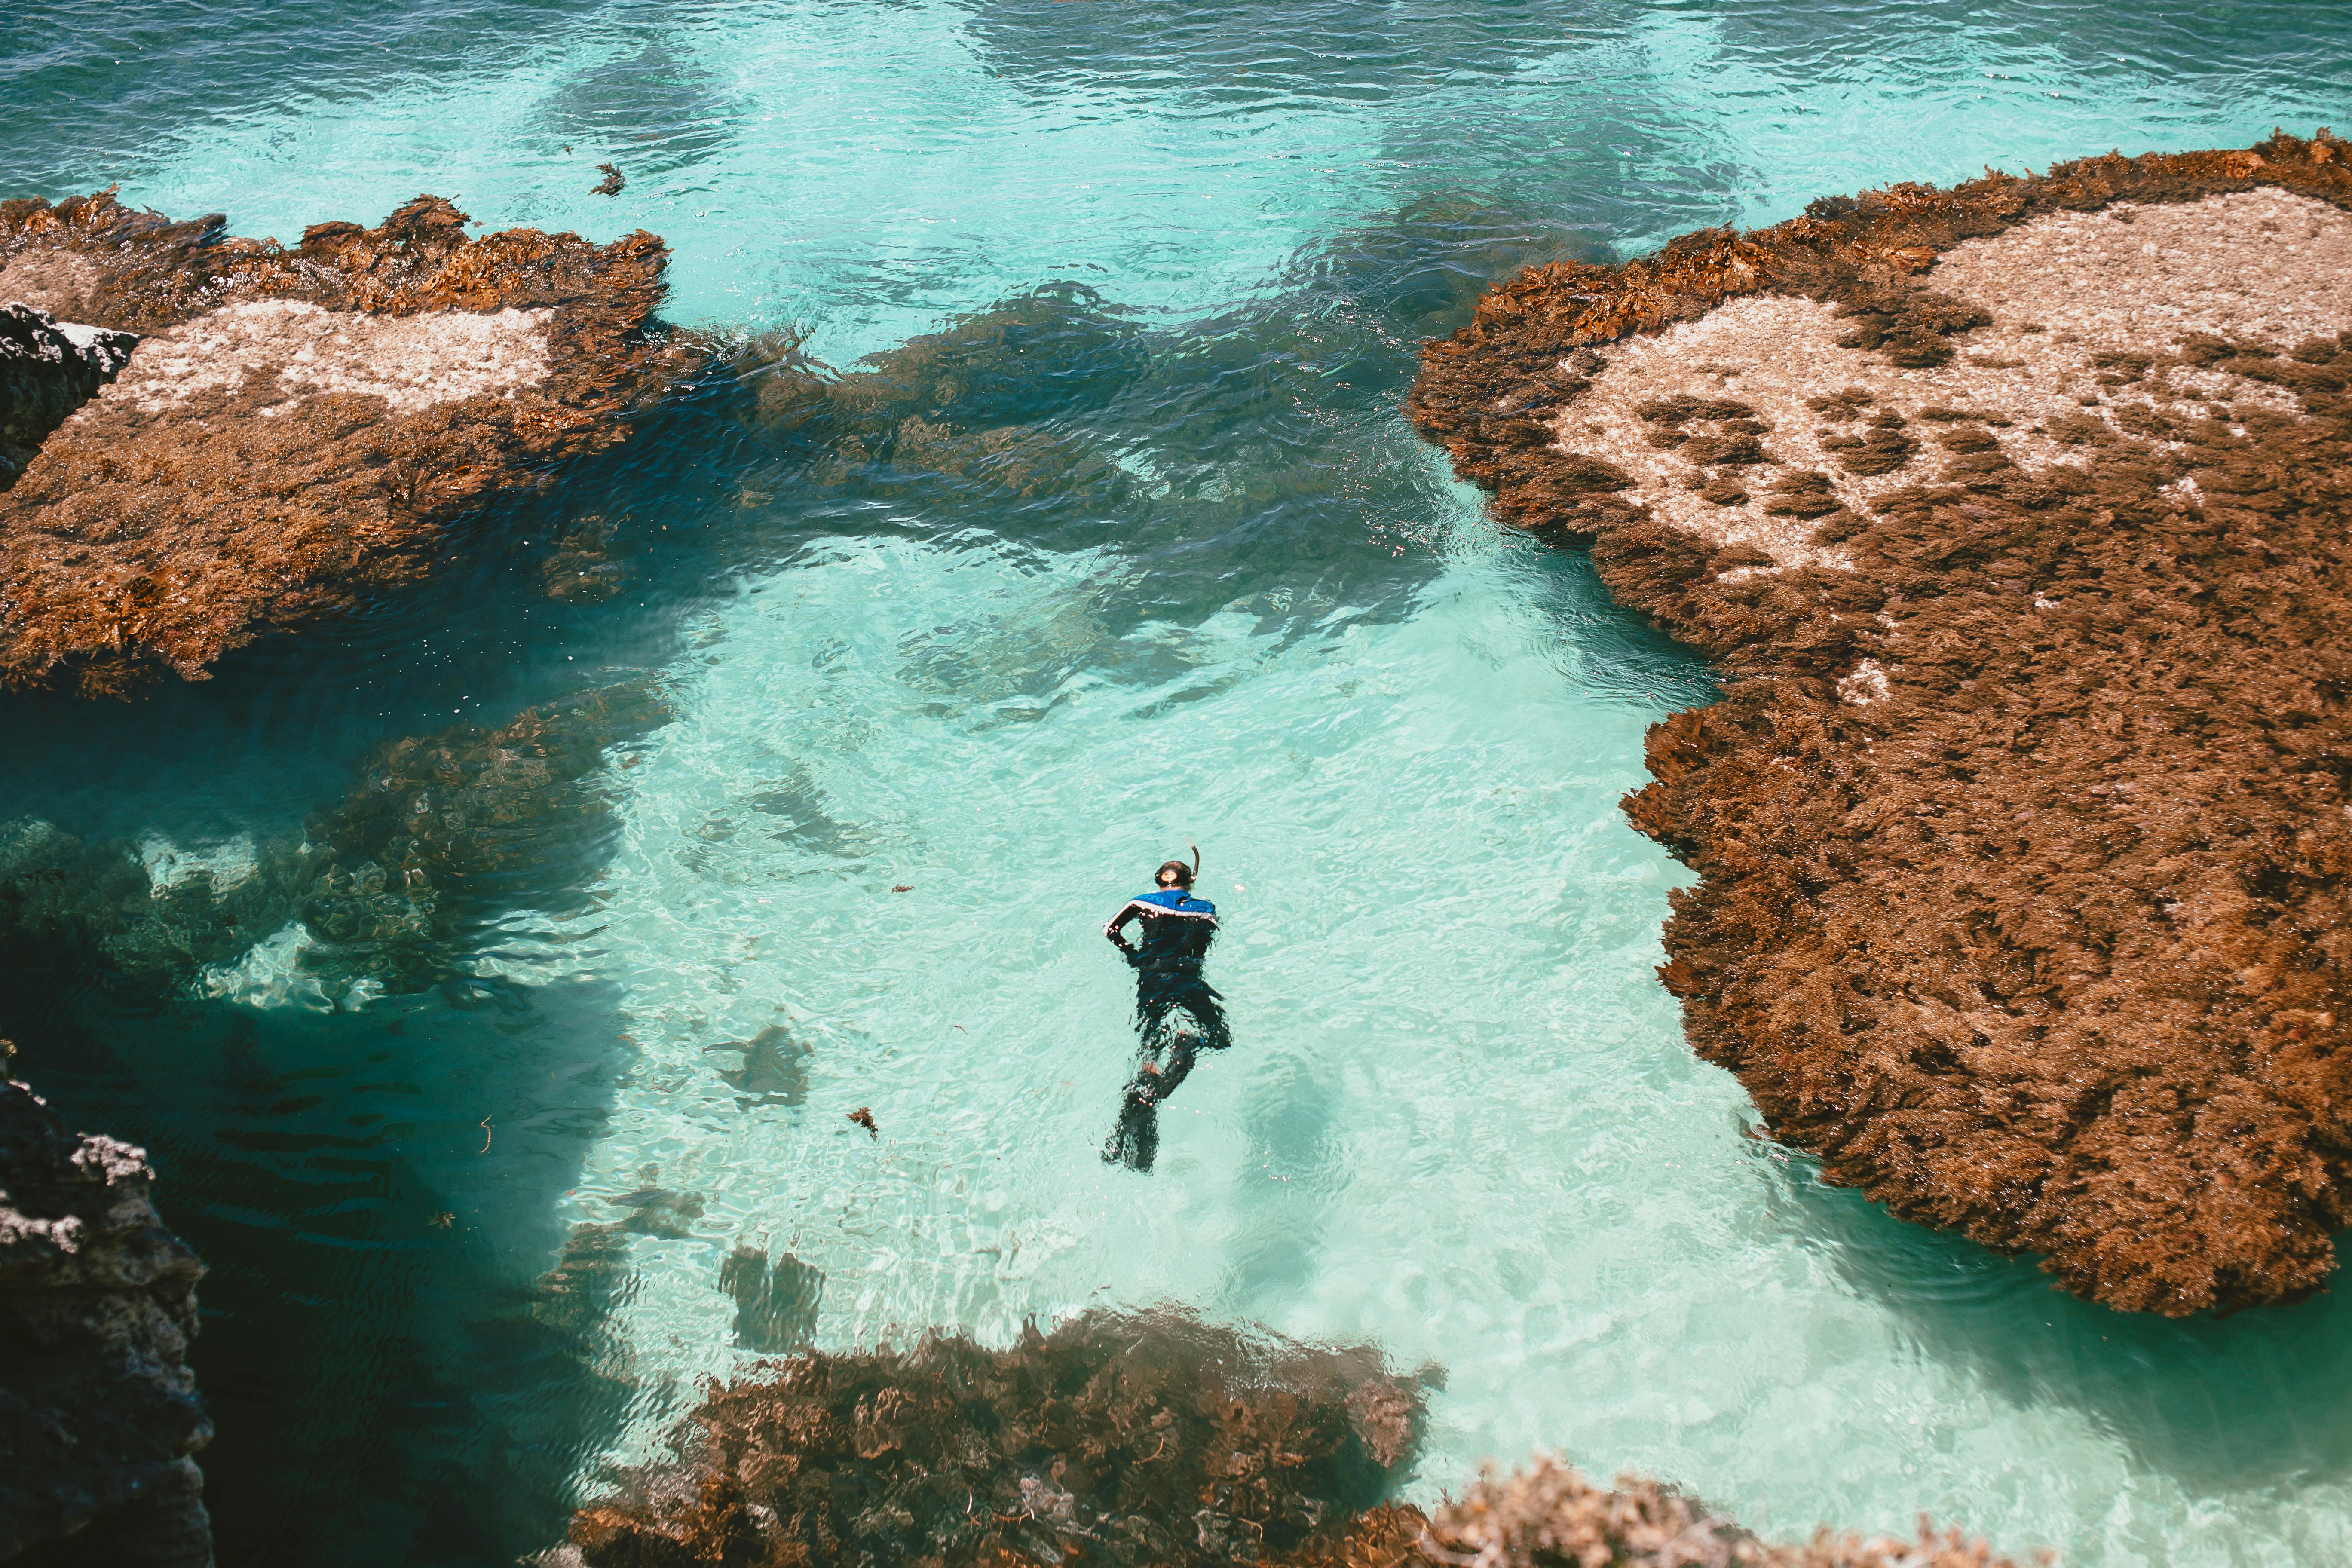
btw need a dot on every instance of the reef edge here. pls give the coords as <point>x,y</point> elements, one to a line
<point>2021,817</point>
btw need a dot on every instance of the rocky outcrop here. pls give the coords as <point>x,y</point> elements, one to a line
<point>1124,1438</point>
<point>296,426</point>
<point>98,1413</point>
<point>1137,1439</point>
<point>47,369</point>
<point>2015,515</point>
<point>1547,1514</point>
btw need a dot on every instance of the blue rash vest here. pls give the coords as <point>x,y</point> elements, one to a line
<point>1177,930</point>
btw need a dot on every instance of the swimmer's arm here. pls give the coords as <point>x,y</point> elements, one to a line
<point>1117,929</point>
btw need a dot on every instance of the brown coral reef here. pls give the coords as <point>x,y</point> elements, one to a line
<point>1133,1438</point>
<point>298,426</point>
<point>1125,1439</point>
<point>2016,516</point>
<point>1548,1516</point>
<point>98,1413</point>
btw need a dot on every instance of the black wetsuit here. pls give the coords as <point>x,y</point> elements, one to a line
<point>1177,930</point>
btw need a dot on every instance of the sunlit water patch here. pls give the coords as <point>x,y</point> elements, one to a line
<point>911,782</point>
<point>867,868</point>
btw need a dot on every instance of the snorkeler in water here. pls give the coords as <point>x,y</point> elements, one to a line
<point>1177,930</point>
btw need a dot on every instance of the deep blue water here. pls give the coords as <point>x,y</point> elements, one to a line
<point>1240,602</point>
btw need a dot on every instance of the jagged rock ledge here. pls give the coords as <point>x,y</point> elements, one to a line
<point>2016,516</point>
<point>98,1413</point>
<point>1149,1440</point>
<point>294,426</point>
<point>47,369</point>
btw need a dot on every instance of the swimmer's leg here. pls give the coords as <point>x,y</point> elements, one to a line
<point>1181,1054</point>
<point>1135,1141</point>
<point>1154,1000</point>
<point>1207,1012</point>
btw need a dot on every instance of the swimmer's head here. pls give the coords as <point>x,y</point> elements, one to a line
<point>1174,874</point>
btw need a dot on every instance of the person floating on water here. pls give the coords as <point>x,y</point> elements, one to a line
<point>1177,930</point>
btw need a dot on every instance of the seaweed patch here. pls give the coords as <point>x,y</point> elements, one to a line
<point>1116,1438</point>
<point>1133,1439</point>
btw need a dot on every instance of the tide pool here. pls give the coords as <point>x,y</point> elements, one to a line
<point>934,720</point>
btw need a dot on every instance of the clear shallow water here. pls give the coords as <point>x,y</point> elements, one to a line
<point>1242,605</point>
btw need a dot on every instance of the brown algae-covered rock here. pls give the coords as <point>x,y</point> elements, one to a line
<point>1150,1439</point>
<point>98,1413</point>
<point>1124,1438</point>
<point>1545,1514</point>
<point>2016,516</point>
<point>296,426</point>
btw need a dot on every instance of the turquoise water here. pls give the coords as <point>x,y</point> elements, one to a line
<point>1232,599</point>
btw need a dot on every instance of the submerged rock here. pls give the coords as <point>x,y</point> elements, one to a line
<point>152,916</point>
<point>776,1303</point>
<point>445,831</point>
<point>48,368</point>
<point>958,404</point>
<point>775,1069</point>
<point>591,1276</point>
<point>98,1413</point>
<point>2015,514</point>
<point>1135,1439</point>
<point>442,834</point>
<point>296,424</point>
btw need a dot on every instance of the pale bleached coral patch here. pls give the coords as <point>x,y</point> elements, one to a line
<point>2262,266</point>
<point>1760,391</point>
<point>1865,684</point>
<point>410,362</point>
<point>2063,291</point>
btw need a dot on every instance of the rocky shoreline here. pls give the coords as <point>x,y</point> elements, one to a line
<point>295,427</point>
<point>2014,516</point>
<point>98,1413</point>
